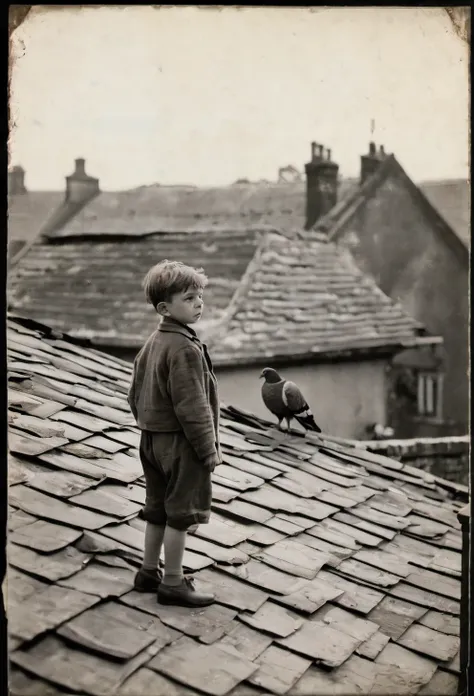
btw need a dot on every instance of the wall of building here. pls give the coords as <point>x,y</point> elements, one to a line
<point>345,397</point>
<point>446,457</point>
<point>392,240</point>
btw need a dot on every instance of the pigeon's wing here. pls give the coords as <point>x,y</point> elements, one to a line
<point>272,398</point>
<point>293,398</point>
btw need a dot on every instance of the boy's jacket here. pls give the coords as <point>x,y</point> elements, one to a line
<point>174,388</point>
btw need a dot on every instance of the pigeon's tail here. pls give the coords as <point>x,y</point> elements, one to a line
<point>306,419</point>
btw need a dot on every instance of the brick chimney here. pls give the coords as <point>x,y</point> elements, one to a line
<point>370,162</point>
<point>16,181</point>
<point>80,187</point>
<point>321,184</point>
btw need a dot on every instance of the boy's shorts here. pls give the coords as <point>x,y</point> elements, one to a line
<point>178,487</point>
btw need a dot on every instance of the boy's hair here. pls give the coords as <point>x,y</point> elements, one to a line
<point>169,278</point>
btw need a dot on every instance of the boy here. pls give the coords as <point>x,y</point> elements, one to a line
<point>173,396</point>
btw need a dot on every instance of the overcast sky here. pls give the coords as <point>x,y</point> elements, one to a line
<point>183,95</point>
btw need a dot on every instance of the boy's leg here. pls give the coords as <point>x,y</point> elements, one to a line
<point>176,588</point>
<point>154,535</point>
<point>148,577</point>
<point>187,504</point>
<point>175,543</point>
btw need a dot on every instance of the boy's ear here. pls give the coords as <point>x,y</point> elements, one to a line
<point>162,309</point>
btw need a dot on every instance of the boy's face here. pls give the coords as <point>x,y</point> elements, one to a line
<point>185,306</point>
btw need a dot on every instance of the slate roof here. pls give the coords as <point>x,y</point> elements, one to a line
<point>27,213</point>
<point>93,289</point>
<point>304,297</point>
<point>452,200</point>
<point>336,570</point>
<point>159,208</point>
<point>106,248</point>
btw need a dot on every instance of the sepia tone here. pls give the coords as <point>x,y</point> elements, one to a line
<point>338,547</point>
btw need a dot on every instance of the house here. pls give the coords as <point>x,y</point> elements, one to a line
<point>305,308</point>
<point>336,570</point>
<point>32,213</point>
<point>335,329</point>
<point>397,236</point>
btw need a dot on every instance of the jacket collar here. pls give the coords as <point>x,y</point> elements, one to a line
<point>170,325</point>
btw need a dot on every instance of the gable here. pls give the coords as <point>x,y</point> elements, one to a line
<point>406,209</point>
<point>401,245</point>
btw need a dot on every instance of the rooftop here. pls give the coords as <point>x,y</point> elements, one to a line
<point>157,208</point>
<point>303,297</point>
<point>336,570</point>
<point>27,213</point>
<point>94,290</point>
<point>244,235</point>
<point>452,200</point>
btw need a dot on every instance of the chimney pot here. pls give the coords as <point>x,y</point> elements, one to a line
<point>313,150</point>
<point>370,163</point>
<point>321,151</point>
<point>328,152</point>
<point>80,166</point>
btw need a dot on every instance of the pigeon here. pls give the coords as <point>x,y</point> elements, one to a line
<point>285,401</point>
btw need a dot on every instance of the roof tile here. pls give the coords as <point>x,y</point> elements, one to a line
<point>278,670</point>
<point>51,607</point>
<point>213,669</point>
<point>103,629</point>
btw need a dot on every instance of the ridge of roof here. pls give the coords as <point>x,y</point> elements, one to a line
<point>334,567</point>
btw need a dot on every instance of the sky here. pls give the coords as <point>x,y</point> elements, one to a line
<point>186,95</point>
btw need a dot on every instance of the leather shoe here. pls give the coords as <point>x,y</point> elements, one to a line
<point>184,595</point>
<point>147,580</point>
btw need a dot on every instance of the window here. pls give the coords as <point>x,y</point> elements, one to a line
<point>430,394</point>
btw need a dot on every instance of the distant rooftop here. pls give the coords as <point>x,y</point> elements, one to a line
<point>452,199</point>
<point>159,208</point>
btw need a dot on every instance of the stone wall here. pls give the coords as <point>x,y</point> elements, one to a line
<point>446,457</point>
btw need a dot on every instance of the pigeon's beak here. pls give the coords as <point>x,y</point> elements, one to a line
<point>262,375</point>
